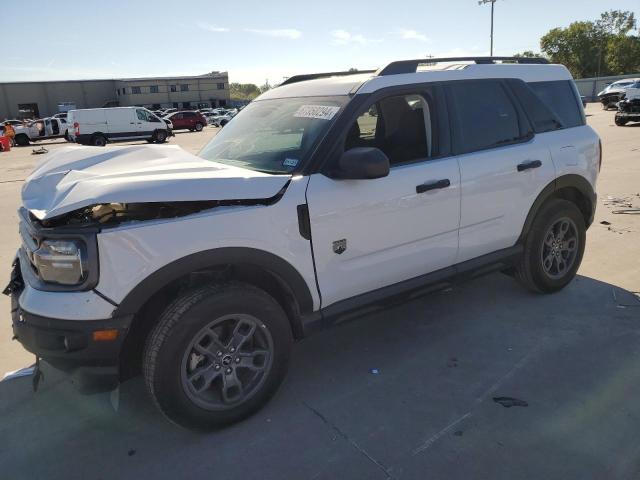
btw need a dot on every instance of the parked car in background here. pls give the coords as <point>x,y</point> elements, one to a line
<point>629,107</point>
<point>14,123</point>
<point>98,126</point>
<point>613,93</point>
<point>41,129</point>
<point>187,120</point>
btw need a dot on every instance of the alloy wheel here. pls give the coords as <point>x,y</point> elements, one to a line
<point>560,248</point>
<point>227,362</point>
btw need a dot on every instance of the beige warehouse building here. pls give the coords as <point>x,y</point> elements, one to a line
<point>42,99</point>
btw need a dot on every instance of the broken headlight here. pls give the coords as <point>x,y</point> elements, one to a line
<point>61,261</point>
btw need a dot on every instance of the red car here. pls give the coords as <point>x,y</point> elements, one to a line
<point>193,121</point>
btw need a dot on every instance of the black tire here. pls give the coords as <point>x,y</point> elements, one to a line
<point>532,270</point>
<point>170,350</point>
<point>621,122</point>
<point>160,136</point>
<point>223,123</point>
<point>66,135</point>
<point>198,127</point>
<point>22,140</point>
<point>99,141</point>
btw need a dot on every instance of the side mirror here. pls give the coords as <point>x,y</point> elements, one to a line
<point>362,163</point>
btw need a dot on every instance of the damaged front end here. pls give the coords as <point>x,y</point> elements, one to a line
<point>113,214</point>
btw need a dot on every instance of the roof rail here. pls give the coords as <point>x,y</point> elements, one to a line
<point>313,76</point>
<point>411,66</point>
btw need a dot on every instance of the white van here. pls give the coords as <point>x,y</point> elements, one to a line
<point>97,126</point>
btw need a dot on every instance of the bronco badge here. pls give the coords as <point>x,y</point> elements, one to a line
<point>339,246</point>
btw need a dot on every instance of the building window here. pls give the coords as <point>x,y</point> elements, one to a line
<point>222,103</point>
<point>175,105</point>
<point>186,104</point>
<point>135,90</point>
<point>221,86</point>
<point>173,88</point>
<point>184,87</point>
<point>153,89</point>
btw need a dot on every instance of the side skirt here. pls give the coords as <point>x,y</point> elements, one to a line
<point>409,289</point>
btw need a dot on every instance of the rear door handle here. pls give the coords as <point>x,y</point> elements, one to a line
<point>529,164</point>
<point>425,187</point>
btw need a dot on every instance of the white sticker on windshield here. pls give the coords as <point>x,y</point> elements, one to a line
<point>323,112</point>
<point>290,162</point>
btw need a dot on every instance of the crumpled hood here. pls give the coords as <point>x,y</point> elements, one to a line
<point>74,177</point>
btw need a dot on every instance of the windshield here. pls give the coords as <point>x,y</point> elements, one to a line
<point>274,136</point>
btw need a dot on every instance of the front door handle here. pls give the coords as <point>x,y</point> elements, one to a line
<point>425,187</point>
<point>529,164</point>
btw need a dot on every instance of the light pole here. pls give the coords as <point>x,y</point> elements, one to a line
<point>492,2</point>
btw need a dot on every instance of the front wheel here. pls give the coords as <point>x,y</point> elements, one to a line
<point>554,247</point>
<point>621,122</point>
<point>99,141</point>
<point>217,355</point>
<point>198,127</point>
<point>160,136</point>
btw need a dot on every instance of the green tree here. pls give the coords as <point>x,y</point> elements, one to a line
<point>243,91</point>
<point>623,54</point>
<point>528,54</point>
<point>606,46</point>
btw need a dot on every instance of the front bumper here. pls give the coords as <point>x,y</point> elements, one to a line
<point>69,345</point>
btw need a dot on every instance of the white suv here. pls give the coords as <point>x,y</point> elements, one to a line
<point>326,195</point>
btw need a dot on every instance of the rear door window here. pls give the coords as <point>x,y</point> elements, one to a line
<point>484,115</point>
<point>560,97</point>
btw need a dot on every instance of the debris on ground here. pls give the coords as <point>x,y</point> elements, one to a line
<point>458,433</point>
<point>374,371</point>
<point>131,452</point>
<point>508,402</point>
<point>39,151</point>
<point>627,211</point>
<point>604,222</point>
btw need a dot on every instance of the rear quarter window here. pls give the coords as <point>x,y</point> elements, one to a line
<point>560,98</point>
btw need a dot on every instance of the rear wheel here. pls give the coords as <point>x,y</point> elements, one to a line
<point>22,140</point>
<point>224,122</point>
<point>198,127</point>
<point>553,248</point>
<point>217,355</point>
<point>98,141</point>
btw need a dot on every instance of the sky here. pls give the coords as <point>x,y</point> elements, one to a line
<point>267,40</point>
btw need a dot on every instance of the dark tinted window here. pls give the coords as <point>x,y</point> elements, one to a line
<point>486,116</point>
<point>153,89</point>
<point>542,118</point>
<point>560,97</point>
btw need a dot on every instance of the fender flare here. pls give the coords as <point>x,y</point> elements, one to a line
<point>570,180</point>
<point>167,274</point>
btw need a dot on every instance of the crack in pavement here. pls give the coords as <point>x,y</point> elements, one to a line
<point>434,438</point>
<point>349,440</point>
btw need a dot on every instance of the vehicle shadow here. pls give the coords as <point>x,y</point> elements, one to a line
<point>390,394</point>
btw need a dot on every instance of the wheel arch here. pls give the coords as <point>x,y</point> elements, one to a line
<point>572,187</point>
<point>256,267</point>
